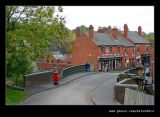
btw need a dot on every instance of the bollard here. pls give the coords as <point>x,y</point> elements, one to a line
<point>56,78</point>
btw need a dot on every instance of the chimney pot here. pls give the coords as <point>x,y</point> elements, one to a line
<point>139,30</point>
<point>109,29</point>
<point>77,32</point>
<point>115,32</point>
<point>100,29</point>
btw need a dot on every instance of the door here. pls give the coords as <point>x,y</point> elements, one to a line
<point>113,64</point>
<point>100,66</point>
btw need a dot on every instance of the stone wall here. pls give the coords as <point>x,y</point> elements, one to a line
<point>38,78</point>
<point>74,69</point>
<point>50,66</point>
<point>119,88</point>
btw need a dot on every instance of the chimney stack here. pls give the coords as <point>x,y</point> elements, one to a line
<point>126,31</point>
<point>91,31</point>
<point>139,30</point>
<point>109,29</point>
<point>100,30</point>
<point>115,32</point>
<point>77,32</point>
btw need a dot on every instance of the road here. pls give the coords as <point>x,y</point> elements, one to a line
<point>73,93</point>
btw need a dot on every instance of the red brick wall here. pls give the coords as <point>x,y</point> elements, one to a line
<point>82,48</point>
<point>85,46</point>
<point>142,49</point>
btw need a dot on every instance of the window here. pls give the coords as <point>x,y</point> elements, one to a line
<point>147,48</point>
<point>133,52</point>
<point>138,48</point>
<point>118,50</point>
<point>126,51</point>
<point>103,50</point>
<point>110,50</point>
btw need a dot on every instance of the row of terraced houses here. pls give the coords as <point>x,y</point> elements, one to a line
<point>118,49</point>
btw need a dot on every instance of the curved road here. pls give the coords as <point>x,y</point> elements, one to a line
<point>74,93</point>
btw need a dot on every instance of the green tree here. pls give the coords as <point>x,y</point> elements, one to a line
<point>150,37</point>
<point>29,31</point>
<point>83,29</point>
<point>68,42</point>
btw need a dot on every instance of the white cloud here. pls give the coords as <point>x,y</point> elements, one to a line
<point>110,15</point>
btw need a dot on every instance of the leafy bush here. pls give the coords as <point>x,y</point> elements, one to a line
<point>18,64</point>
<point>122,76</point>
<point>140,66</point>
<point>15,81</point>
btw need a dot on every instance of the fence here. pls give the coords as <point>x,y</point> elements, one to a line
<point>119,88</point>
<point>74,69</point>
<point>133,97</point>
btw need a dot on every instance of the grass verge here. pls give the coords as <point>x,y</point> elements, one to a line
<point>14,97</point>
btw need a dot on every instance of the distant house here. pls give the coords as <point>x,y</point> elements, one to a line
<point>116,49</point>
<point>58,54</point>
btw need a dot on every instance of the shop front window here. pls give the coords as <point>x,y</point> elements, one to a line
<point>127,63</point>
<point>118,64</point>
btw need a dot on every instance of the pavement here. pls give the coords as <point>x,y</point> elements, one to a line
<point>88,88</point>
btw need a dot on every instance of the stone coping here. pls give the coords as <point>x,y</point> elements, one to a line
<point>37,73</point>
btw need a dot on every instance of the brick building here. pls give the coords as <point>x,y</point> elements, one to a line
<point>114,48</point>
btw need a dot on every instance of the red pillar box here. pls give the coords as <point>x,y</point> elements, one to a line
<point>56,78</point>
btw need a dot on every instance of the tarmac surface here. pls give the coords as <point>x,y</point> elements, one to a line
<point>79,89</point>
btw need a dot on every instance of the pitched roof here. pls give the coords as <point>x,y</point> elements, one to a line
<point>136,38</point>
<point>102,39</point>
<point>59,56</point>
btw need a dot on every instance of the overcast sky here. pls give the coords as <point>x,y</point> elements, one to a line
<point>134,16</point>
